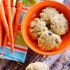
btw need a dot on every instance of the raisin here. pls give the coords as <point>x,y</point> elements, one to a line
<point>49,34</point>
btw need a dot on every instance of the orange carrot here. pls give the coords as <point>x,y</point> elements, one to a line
<point>19,27</point>
<point>6,37</point>
<point>9,18</point>
<point>13,13</point>
<point>3,19</point>
<point>11,1</point>
<point>13,16</point>
<point>0,33</point>
<point>13,10</point>
<point>5,41</point>
<point>17,17</point>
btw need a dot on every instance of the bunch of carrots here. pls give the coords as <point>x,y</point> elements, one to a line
<point>10,11</point>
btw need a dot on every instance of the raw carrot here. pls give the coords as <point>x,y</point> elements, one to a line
<point>9,18</point>
<point>19,27</point>
<point>17,17</point>
<point>5,41</point>
<point>13,10</point>
<point>0,33</point>
<point>3,19</point>
<point>3,35</point>
<point>4,38</point>
<point>11,1</point>
<point>13,13</point>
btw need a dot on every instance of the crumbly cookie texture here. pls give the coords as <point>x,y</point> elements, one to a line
<point>47,13</point>
<point>59,24</point>
<point>36,28</point>
<point>37,66</point>
<point>37,22</point>
<point>49,41</point>
<point>37,31</point>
